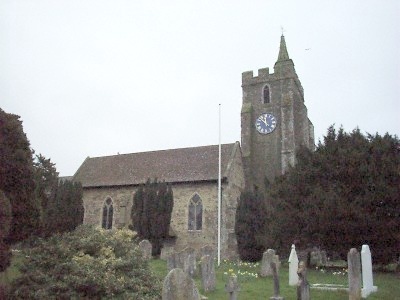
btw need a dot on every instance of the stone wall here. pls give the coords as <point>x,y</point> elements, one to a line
<point>93,199</point>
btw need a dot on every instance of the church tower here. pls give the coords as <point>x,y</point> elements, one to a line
<point>274,121</point>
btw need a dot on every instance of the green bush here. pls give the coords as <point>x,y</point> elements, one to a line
<point>87,263</point>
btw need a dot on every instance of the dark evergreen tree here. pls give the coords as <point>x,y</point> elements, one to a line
<point>343,195</point>
<point>46,180</point>
<point>17,178</point>
<point>5,221</point>
<point>151,212</point>
<point>137,211</point>
<point>249,226</point>
<point>65,208</point>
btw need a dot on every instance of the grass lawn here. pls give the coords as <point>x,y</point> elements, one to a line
<point>253,287</point>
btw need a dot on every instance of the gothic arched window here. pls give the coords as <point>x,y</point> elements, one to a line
<point>108,212</point>
<point>266,94</point>
<point>195,219</point>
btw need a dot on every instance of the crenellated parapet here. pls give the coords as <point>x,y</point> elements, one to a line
<point>248,77</point>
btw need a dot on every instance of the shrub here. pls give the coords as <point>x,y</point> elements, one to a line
<point>87,263</point>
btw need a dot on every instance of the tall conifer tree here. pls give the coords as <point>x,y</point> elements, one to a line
<point>17,178</point>
<point>151,212</point>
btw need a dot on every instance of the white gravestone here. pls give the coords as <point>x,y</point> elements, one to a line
<point>293,266</point>
<point>367,277</point>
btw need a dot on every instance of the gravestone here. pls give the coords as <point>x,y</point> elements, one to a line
<point>187,257</point>
<point>208,273</point>
<point>268,257</point>
<point>232,287</point>
<point>316,257</point>
<point>324,258</point>
<point>179,286</point>
<point>367,277</point>
<point>354,274</point>
<point>172,261</point>
<point>207,250</point>
<point>276,295</point>
<point>166,251</point>
<point>293,266</point>
<point>303,287</point>
<point>145,247</point>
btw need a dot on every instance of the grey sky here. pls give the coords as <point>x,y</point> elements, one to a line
<point>93,78</point>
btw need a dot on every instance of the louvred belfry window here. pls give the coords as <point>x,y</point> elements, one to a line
<point>266,96</point>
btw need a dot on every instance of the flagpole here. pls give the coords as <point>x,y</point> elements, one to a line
<point>219,186</point>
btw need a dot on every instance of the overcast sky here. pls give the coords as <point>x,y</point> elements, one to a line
<point>94,78</point>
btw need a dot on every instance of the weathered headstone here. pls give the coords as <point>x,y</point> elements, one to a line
<point>367,277</point>
<point>208,273</point>
<point>145,247</point>
<point>324,258</point>
<point>276,295</point>
<point>315,257</point>
<point>268,257</point>
<point>188,257</point>
<point>354,274</point>
<point>293,266</point>
<point>232,287</point>
<point>207,250</point>
<point>172,261</point>
<point>166,251</point>
<point>303,287</point>
<point>179,286</point>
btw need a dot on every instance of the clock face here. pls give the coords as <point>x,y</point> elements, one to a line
<point>265,123</point>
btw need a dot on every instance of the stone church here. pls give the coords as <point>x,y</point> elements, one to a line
<point>274,124</point>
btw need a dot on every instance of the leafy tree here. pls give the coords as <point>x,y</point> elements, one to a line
<point>16,177</point>
<point>151,212</point>
<point>249,226</point>
<point>5,221</point>
<point>343,195</point>
<point>87,263</point>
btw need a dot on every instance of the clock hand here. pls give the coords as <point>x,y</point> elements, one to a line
<point>264,121</point>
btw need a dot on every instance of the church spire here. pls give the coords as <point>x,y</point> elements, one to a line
<point>284,66</point>
<point>283,53</point>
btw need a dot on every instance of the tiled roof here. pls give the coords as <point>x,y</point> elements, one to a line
<point>174,166</point>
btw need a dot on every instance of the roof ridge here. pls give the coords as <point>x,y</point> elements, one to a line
<point>161,150</point>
